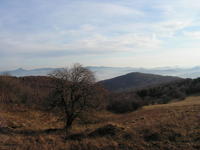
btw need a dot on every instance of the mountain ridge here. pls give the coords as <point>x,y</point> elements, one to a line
<point>136,80</point>
<point>103,73</point>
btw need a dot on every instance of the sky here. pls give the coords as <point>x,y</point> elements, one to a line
<point>118,33</point>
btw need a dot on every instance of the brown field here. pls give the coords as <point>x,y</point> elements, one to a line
<point>173,126</point>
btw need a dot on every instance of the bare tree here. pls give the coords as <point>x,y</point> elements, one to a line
<point>74,91</point>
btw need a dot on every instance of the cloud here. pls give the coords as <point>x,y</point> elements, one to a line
<point>54,29</point>
<point>170,28</point>
<point>192,34</point>
<point>114,9</point>
<point>93,44</point>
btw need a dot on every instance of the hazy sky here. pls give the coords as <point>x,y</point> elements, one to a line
<point>137,33</point>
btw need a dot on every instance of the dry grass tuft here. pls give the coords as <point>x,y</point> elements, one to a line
<point>174,126</point>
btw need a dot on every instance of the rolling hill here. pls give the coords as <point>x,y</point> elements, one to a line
<point>160,126</point>
<point>136,80</point>
<point>103,73</point>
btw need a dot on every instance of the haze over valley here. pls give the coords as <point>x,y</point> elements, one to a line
<point>103,73</point>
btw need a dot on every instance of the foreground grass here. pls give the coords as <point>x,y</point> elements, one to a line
<point>174,126</point>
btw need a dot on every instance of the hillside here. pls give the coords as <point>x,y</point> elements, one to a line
<point>26,123</point>
<point>174,126</point>
<point>136,80</point>
<point>103,73</point>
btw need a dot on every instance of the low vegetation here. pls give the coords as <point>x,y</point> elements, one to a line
<point>171,126</point>
<point>122,102</point>
<point>161,117</point>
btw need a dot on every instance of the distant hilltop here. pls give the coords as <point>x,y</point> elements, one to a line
<point>103,73</point>
<point>136,80</point>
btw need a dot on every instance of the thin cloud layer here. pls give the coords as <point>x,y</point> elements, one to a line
<point>58,30</point>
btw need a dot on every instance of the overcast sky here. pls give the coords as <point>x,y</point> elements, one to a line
<point>134,33</point>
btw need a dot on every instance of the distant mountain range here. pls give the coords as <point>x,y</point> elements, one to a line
<point>136,80</point>
<point>34,72</point>
<point>103,73</point>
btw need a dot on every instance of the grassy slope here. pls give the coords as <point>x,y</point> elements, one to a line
<point>168,126</point>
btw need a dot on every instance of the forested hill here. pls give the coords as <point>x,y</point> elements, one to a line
<point>136,80</point>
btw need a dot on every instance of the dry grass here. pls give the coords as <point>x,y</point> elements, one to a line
<point>174,126</point>
<point>189,101</point>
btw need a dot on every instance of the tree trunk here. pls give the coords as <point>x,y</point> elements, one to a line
<point>68,125</point>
